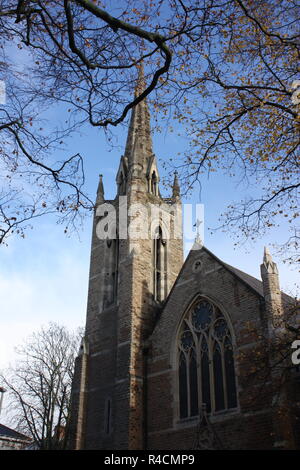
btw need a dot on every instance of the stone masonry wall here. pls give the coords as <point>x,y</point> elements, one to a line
<point>237,429</point>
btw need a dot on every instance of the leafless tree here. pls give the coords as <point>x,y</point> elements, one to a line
<point>39,386</point>
<point>241,108</point>
<point>227,71</point>
<point>82,57</point>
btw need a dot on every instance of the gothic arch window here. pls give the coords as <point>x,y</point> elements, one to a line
<point>153,183</point>
<point>108,416</point>
<point>159,266</point>
<point>115,268</point>
<point>112,271</point>
<point>205,361</point>
<point>122,184</point>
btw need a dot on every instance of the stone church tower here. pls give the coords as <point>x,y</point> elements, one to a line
<point>176,355</point>
<point>130,275</point>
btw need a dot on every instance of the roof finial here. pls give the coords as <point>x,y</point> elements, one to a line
<point>268,266</point>
<point>176,187</point>
<point>100,190</point>
<point>267,255</point>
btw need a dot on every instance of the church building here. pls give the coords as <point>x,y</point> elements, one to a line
<point>176,354</point>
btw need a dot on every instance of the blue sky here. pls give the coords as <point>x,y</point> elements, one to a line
<point>44,277</point>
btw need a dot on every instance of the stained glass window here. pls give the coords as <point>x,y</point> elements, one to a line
<point>159,266</point>
<point>183,387</point>
<point>206,361</point>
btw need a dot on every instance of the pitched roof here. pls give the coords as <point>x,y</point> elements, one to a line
<point>255,284</point>
<point>251,281</point>
<point>8,432</point>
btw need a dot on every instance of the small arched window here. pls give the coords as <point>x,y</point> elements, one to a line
<point>108,417</point>
<point>115,268</point>
<point>205,361</point>
<point>159,266</point>
<point>112,272</point>
<point>122,184</point>
<point>154,183</point>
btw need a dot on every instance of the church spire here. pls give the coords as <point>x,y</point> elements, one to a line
<point>100,191</point>
<point>139,141</point>
<point>268,265</point>
<point>141,82</point>
<point>175,187</point>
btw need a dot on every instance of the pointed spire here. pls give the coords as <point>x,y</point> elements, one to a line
<point>267,255</point>
<point>100,191</point>
<point>139,128</point>
<point>268,263</point>
<point>271,290</point>
<point>176,187</point>
<point>141,82</point>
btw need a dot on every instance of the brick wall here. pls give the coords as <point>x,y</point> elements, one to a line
<point>240,428</point>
